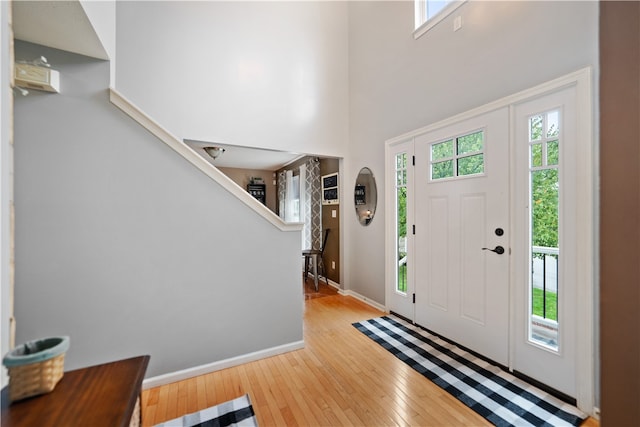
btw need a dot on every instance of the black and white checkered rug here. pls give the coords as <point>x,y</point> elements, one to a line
<point>498,396</point>
<point>237,412</point>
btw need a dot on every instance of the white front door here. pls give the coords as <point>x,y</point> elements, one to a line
<point>546,217</point>
<point>462,233</point>
<point>517,174</point>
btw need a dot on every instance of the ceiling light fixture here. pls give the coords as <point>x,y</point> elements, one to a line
<point>214,152</point>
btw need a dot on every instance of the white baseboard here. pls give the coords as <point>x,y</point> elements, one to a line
<point>364,299</point>
<point>221,364</point>
<point>350,293</point>
<point>321,279</point>
<point>335,285</point>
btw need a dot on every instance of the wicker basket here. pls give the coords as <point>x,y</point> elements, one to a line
<point>35,367</point>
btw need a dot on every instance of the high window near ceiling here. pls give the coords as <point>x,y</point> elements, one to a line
<point>428,13</point>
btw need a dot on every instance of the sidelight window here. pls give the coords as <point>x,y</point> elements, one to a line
<point>544,143</point>
<point>401,222</point>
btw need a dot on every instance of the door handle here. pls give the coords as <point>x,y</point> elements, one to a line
<point>498,249</point>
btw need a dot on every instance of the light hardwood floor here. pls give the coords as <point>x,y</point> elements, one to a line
<point>341,377</point>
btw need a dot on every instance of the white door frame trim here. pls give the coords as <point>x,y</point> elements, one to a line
<point>587,163</point>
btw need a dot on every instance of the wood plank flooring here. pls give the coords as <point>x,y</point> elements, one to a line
<point>341,377</point>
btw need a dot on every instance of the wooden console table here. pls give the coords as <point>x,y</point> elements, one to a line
<point>102,395</point>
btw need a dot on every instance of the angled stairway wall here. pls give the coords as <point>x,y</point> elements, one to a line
<point>125,246</point>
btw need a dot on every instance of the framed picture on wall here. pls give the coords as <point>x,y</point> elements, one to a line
<point>330,192</point>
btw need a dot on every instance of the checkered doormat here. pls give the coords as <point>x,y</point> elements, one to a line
<point>498,396</point>
<point>237,412</point>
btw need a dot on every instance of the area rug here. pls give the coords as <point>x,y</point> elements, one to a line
<point>237,412</point>
<point>498,396</point>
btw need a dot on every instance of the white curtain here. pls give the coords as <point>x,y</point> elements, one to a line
<point>292,199</point>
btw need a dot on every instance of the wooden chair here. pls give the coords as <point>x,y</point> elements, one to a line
<point>315,256</point>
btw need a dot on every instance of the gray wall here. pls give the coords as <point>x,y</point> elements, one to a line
<point>127,248</point>
<point>6,177</point>
<point>398,84</point>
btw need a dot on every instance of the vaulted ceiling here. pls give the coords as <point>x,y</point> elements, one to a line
<point>62,25</point>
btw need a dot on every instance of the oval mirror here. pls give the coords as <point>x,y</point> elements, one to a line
<point>365,196</point>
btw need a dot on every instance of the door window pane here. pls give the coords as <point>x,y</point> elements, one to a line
<point>536,155</point>
<point>442,150</point>
<point>544,207</point>
<point>401,223</point>
<point>442,170</point>
<point>535,128</point>
<point>472,143</point>
<point>471,165</point>
<point>465,157</point>
<point>544,141</point>
<point>553,123</point>
<point>552,152</point>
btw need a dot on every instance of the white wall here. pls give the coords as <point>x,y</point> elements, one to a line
<point>398,84</point>
<point>261,74</point>
<point>129,249</point>
<point>102,15</point>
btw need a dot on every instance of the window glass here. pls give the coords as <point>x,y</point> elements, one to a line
<point>471,165</point>
<point>536,155</point>
<point>553,126</point>
<point>442,150</point>
<point>552,152</point>
<point>429,13</point>
<point>471,143</point>
<point>459,156</point>
<point>544,141</point>
<point>535,128</point>
<point>442,170</point>
<point>401,222</point>
<point>433,7</point>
